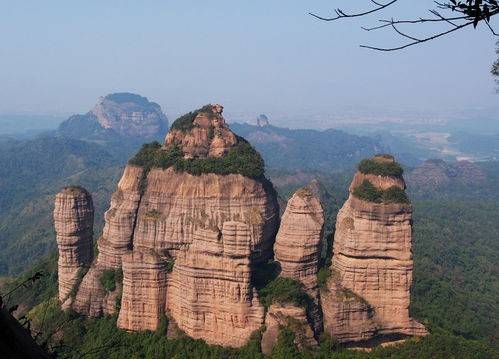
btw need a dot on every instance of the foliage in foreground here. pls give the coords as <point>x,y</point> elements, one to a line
<point>242,159</point>
<point>368,192</point>
<point>100,338</point>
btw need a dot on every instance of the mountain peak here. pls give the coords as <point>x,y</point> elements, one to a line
<point>123,113</point>
<point>202,133</point>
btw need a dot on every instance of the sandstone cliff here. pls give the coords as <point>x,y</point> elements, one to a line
<point>73,220</point>
<point>210,295</point>
<point>185,243</point>
<point>117,238</point>
<point>193,225</point>
<point>368,292</point>
<point>298,248</point>
<point>298,242</point>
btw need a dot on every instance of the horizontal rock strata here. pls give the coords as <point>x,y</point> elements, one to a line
<point>210,295</point>
<point>176,205</point>
<point>117,238</point>
<point>372,262</point>
<point>298,242</point>
<point>347,317</point>
<point>144,291</point>
<point>73,220</point>
<point>298,247</point>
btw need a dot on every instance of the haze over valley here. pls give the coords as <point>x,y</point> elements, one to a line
<point>261,180</point>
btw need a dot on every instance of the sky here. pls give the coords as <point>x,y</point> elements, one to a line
<point>58,57</point>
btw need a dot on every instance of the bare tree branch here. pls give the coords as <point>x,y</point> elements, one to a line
<point>340,14</point>
<point>471,12</point>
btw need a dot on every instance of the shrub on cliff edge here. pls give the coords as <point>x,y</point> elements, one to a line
<point>368,192</point>
<point>241,159</point>
<point>380,167</point>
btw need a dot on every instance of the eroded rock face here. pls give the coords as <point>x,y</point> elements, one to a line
<point>130,115</point>
<point>347,317</point>
<point>176,205</point>
<point>298,242</point>
<point>119,115</point>
<point>92,299</point>
<point>210,295</point>
<point>291,317</point>
<point>120,219</point>
<point>73,220</point>
<point>144,290</point>
<point>373,261</point>
<point>209,135</point>
<point>117,238</point>
<point>298,247</point>
<point>214,228</point>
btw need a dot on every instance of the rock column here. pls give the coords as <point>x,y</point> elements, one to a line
<point>73,219</point>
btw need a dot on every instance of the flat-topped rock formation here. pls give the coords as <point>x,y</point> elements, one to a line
<point>73,221</point>
<point>124,114</point>
<point>372,262</point>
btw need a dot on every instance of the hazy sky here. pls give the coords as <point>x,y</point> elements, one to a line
<point>261,56</point>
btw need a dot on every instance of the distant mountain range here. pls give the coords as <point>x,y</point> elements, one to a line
<point>91,149</point>
<point>295,149</point>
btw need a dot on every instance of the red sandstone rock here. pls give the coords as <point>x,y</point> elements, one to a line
<point>298,242</point>
<point>373,261</point>
<point>209,137</point>
<point>210,295</point>
<point>144,290</point>
<point>73,220</point>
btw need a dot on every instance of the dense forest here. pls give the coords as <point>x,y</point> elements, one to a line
<point>454,294</point>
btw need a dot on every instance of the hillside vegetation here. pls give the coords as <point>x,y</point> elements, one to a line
<point>241,159</point>
<point>310,150</point>
<point>32,172</point>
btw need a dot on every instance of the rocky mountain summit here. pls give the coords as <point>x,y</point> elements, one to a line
<point>192,238</point>
<point>118,114</point>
